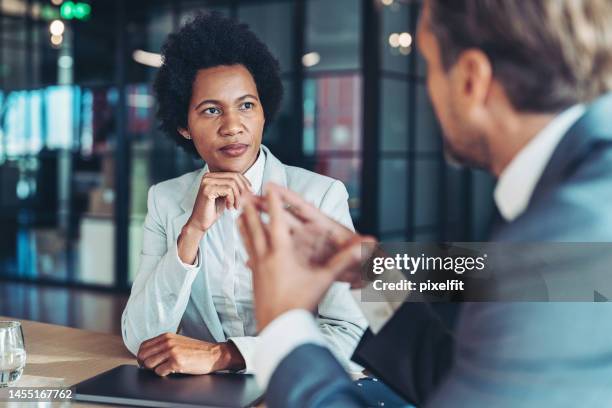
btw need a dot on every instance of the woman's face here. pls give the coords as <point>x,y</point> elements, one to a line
<point>225,118</point>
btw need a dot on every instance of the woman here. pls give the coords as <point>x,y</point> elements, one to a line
<point>217,88</point>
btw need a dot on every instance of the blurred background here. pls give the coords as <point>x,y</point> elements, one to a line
<point>79,144</point>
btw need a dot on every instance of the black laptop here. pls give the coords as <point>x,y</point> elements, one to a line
<point>131,385</point>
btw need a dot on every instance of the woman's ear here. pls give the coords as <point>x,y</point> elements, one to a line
<point>185,133</point>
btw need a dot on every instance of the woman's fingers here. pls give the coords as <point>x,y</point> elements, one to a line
<point>220,187</point>
<point>146,352</point>
<point>165,369</point>
<point>226,192</point>
<point>156,359</point>
<point>243,184</point>
<point>246,181</point>
<point>153,346</point>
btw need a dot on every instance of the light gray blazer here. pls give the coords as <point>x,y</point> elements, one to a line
<point>168,296</point>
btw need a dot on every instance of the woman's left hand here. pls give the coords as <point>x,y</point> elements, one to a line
<point>171,353</point>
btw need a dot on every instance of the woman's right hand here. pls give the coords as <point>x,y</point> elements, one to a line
<point>218,191</point>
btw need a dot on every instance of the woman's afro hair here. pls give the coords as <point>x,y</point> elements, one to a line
<point>211,40</point>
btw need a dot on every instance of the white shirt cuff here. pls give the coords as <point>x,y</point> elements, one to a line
<point>246,346</point>
<point>196,265</point>
<point>285,333</point>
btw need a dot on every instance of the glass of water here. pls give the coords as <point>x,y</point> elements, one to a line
<point>12,352</point>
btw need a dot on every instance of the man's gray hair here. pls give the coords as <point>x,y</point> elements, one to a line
<point>547,54</point>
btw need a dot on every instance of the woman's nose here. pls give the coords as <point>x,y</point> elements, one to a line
<point>231,125</point>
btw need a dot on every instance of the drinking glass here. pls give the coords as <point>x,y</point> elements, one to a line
<point>12,352</point>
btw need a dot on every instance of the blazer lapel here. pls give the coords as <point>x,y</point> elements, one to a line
<point>200,292</point>
<point>274,170</point>
<point>186,204</point>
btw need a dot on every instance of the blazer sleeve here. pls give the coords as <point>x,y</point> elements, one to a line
<point>310,376</point>
<point>339,317</point>
<point>161,290</point>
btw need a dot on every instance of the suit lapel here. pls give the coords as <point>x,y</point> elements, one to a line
<point>186,204</point>
<point>274,170</point>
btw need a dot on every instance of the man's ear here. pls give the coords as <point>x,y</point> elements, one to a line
<point>185,133</point>
<point>472,78</point>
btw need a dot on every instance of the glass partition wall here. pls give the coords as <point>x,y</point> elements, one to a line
<point>79,144</point>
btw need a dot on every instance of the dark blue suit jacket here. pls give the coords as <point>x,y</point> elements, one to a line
<point>503,354</point>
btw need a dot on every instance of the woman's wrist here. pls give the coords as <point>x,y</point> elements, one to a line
<point>231,358</point>
<point>188,243</point>
<point>194,227</point>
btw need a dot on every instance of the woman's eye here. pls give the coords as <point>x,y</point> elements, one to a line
<point>211,111</point>
<point>247,106</point>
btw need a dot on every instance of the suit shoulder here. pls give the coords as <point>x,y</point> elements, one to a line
<point>308,183</point>
<point>575,210</point>
<point>170,192</point>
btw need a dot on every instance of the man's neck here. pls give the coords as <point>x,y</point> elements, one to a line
<point>512,135</point>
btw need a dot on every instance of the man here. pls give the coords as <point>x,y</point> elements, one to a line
<point>521,90</point>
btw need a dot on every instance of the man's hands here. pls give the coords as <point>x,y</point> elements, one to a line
<point>284,278</point>
<point>218,191</point>
<point>315,236</point>
<point>172,353</point>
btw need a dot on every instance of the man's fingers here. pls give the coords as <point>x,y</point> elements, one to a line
<point>307,212</point>
<point>294,223</point>
<point>353,279</point>
<point>294,203</point>
<point>349,258</point>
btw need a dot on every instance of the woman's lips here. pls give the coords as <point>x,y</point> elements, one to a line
<point>234,149</point>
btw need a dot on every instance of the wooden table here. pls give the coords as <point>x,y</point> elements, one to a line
<point>59,356</point>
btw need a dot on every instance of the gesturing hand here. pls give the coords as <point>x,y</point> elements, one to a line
<point>282,279</point>
<point>172,353</point>
<point>218,191</point>
<point>316,236</point>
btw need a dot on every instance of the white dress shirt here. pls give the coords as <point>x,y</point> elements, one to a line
<point>518,180</point>
<point>230,280</point>
<point>512,195</point>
